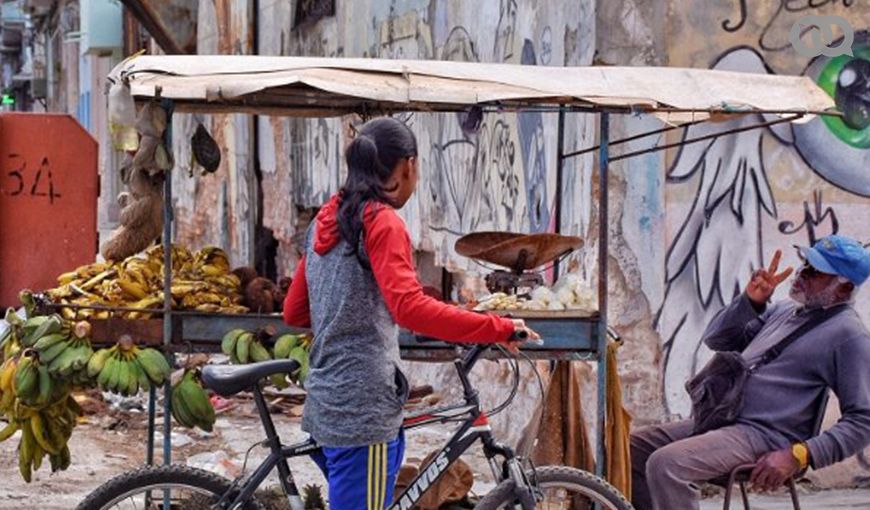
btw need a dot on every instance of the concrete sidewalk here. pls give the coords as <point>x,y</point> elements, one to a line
<point>852,499</point>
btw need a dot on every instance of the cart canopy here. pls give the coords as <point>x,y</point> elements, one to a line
<point>302,86</point>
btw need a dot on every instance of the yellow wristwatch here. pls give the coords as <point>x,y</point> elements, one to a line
<point>801,454</point>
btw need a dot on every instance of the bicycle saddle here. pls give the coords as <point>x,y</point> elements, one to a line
<point>226,380</point>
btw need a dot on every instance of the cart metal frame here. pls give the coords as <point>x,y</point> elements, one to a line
<point>576,338</point>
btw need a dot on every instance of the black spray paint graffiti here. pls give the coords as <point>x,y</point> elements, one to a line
<point>478,166</point>
<point>813,218</point>
<point>780,22</point>
<point>504,32</point>
<point>531,131</point>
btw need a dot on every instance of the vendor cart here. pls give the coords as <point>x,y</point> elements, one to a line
<point>315,87</point>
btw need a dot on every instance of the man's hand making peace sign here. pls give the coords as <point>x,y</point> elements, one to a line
<point>765,281</point>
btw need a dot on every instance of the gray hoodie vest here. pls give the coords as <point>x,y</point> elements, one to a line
<point>356,391</point>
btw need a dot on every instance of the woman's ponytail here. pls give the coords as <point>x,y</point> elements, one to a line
<point>371,158</point>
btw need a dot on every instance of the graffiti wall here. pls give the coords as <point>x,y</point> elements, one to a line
<point>480,171</point>
<point>732,201</point>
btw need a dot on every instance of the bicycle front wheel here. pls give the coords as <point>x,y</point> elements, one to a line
<point>144,489</point>
<point>562,487</point>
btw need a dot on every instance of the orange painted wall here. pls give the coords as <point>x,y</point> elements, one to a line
<point>48,200</point>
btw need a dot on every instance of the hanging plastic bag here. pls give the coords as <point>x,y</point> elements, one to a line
<point>122,117</point>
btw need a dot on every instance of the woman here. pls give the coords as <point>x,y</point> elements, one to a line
<point>355,286</point>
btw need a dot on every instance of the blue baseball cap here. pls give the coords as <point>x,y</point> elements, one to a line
<point>839,255</point>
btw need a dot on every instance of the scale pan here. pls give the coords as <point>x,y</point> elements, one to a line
<point>504,248</point>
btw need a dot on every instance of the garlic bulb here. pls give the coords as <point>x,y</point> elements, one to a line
<point>543,295</point>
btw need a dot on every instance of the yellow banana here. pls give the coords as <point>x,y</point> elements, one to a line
<point>133,289</point>
<point>66,278</point>
<point>37,427</point>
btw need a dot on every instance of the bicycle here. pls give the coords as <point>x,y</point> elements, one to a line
<point>182,487</point>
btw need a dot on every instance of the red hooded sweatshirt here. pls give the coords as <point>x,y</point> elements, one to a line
<point>388,247</point>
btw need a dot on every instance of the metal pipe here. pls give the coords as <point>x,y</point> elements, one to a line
<point>603,163</point>
<point>631,138</point>
<point>560,163</point>
<point>152,415</point>
<point>705,137</point>
<point>167,295</point>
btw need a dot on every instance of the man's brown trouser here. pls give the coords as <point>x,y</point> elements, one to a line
<point>667,462</point>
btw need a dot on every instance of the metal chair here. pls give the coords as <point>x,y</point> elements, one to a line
<point>740,474</point>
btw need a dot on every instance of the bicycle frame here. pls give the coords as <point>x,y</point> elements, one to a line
<point>475,426</point>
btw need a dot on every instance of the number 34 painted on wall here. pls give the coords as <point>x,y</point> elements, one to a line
<point>21,182</point>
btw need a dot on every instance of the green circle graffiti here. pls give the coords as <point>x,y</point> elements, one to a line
<point>828,79</point>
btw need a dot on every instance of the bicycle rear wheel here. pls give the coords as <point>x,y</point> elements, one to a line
<point>143,489</point>
<point>563,488</point>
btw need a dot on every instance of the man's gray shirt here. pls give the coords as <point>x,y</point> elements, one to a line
<point>782,398</point>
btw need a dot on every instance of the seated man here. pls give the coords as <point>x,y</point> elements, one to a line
<point>781,398</point>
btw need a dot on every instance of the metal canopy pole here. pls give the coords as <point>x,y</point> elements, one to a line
<point>603,162</point>
<point>560,165</point>
<point>167,294</point>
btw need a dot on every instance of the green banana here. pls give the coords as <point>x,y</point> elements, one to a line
<point>301,356</point>
<point>49,355</point>
<point>38,453</point>
<point>25,453</point>
<point>279,380</point>
<point>45,386</point>
<point>284,344</point>
<point>123,377</point>
<point>47,341</point>
<point>107,373</point>
<point>141,376</point>
<point>179,408</point>
<point>26,379</point>
<point>98,361</point>
<point>32,324</point>
<point>65,457</point>
<point>258,352</point>
<point>55,462</point>
<point>81,355</point>
<point>8,430</point>
<point>13,318</point>
<point>228,342</point>
<point>154,363</point>
<point>197,401</point>
<point>243,347</point>
<point>62,363</point>
<point>53,324</point>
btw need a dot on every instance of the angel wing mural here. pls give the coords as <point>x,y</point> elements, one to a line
<point>720,240</point>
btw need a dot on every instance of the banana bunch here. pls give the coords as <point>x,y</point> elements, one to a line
<point>63,351</point>
<point>44,432</point>
<point>200,281</point>
<point>126,369</point>
<point>294,347</point>
<point>190,404</point>
<point>244,347</point>
<point>41,407</point>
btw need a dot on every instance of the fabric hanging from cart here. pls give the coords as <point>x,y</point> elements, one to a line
<point>561,437</point>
